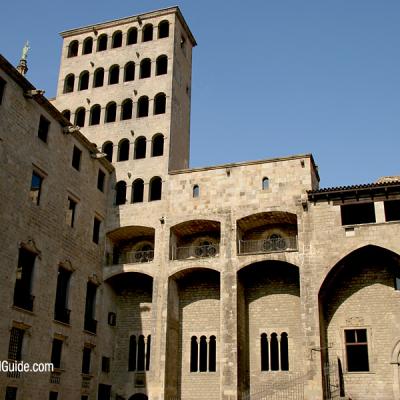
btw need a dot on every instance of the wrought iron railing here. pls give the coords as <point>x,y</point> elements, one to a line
<point>55,377</point>
<point>268,245</point>
<point>190,252</point>
<point>132,257</point>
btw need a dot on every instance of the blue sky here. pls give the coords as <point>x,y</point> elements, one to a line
<point>271,78</point>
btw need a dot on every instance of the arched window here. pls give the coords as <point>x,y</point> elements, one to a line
<point>265,183</point>
<point>212,354</point>
<point>131,37</point>
<point>140,354</point>
<point>102,42</point>
<point>203,354</point>
<point>193,354</point>
<point>147,33</point>
<point>284,352</point>
<point>98,77</point>
<point>120,193</point>
<point>73,48</point>
<point>87,46</point>
<point>113,75</point>
<point>274,352</point>
<point>69,82</point>
<point>80,117</point>
<point>155,189</point>
<point>111,112</point>
<point>137,191</point>
<point>148,349</point>
<point>123,150</point>
<point>132,354</point>
<point>145,68</point>
<point>264,353</point>
<point>143,107</point>
<point>161,65</point>
<point>95,112</point>
<point>129,71</point>
<point>159,103</point>
<point>66,114</point>
<point>108,148</point>
<point>126,109</point>
<point>140,148</point>
<point>116,40</point>
<point>196,191</point>
<point>83,80</point>
<point>163,29</point>
<point>157,148</point>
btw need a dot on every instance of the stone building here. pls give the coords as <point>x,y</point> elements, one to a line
<point>237,281</point>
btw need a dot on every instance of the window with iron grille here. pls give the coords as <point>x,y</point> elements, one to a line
<point>15,345</point>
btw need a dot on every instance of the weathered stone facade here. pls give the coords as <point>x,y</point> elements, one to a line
<point>238,281</point>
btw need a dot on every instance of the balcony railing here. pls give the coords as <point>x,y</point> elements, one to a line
<point>55,377</point>
<point>190,252</point>
<point>62,315</point>
<point>132,257</point>
<point>271,245</point>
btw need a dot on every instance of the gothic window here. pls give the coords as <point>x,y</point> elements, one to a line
<point>274,352</point>
<point>356,350</point>
<point>212,354</point>
<point>98,78</point>
<point>108,150</point>
<point>87,46</point>
<point>143,107</point>
<point>120,193</point>
<point>163,29</point>
<point>95,112</point>
<point>116,40</point>
<point>161,65</point>
<point>145,68</point>
<point>196,191</point>
<point>137,191</point>
<point>111,112</point>
<point>265,183</point>
<point>159,103</point>
<point>129,71</point>
<point>113,75</point>
<point>203,354</point>
<point>102,42</point>
<point>73,48</point>
<point>132,354</point>
<point>126,109</point>
<point>123,150</point>
<point>140,148</point>
<point>155,189</point>
<point>83,80</point>
<point>139,353</point>
<point>69,82</point>
<point>284,352</point>
<point>80,114</point>
<point>264,353</point>
<point>147,33</point>
<point>157,145</point>
<point>132,36</point>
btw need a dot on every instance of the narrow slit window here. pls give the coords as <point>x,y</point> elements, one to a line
<point>43,130</point>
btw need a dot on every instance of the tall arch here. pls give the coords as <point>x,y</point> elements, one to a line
<point>160,102</point>
<point>83,80</point>
<point>145,68</point>
<point>129,71</point>
<point>73,48</point>
<point>147,33</point>
<point>98,77</point>
<point>116,40</point>
<point>80,115</point>
<point>69,82</point>
<point>162,65</point>
<point>108,148</point>
<point>95,112</point>
<point>111,112</point>
<point>102,42</point>
<point>87,45</point>
<point>113,75</point>
<point>140,148</point>
<point>137,191</point>
<point>123,150</point>
<point>132,36</point>
<point>142,107</point>
<point>155,188</point>
<point>163,29</point>
<point>157,145</point>
<point>120,193</point>
<point>126,109</point>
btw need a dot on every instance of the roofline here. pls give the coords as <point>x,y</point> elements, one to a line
<point>53,111</point>
<point>132,18</point>
<point>245,163</point>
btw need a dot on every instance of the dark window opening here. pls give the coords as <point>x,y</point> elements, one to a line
<point>112,319</point>
<point>98,79</point>
<point>2,88</point>
<point>147,33</point>
<point>102,42</point>
<point>155,189</point>
<point>157,145</point>
<point>143,107</point>
<point>356,350</point>
<point>67,114</point>
<point>203,354</point>
<point>126,109</point>
<point>145,68</point>
<point>101,177</point>
<point>73,48</point>
<point>129,72</point>
<point>274,352</point>
<point>111,112</point>
<point>95,112</point>
<point>104,392</point>
<point>90,324</point>
<point>96,230</point>
<point>56,350</point>
<point>105,364</point>
<point>132,36</point>
<point>76,158</point>
<point>140,148</point>
<point>161,65</point>
<point>11,393</point>
<point>141,354</point>
<point>70,217</point>
<point>264,353</point>
<point>361,213</point>
<point>148,350</point>
<point>212,354</point>
<point>196,191</point>
<point>43,130</point>
<point>83,81</point>
<point>61,311</point>
<point>160,103</point>
<point>193,354</point>
<point>87,351</point>
<point>80,115</point>
<point>132,354</point>
<point>163,29</point>
<point>284,352</point>
<point>23,284</point>
<point>36,188</point>
<point>120,193</point>
<point>117,40</point>
<point>392,210</point>
<point>15,344</point>
<point>123,150</point>
<point>137,191</point>
<point>53,396</point>
<point>265,183</point>
<point>69,83</point>
<point>87,46</point>
<point>108,148</point>
<point>113,75</point>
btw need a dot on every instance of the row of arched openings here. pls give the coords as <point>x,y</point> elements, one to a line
<point>274,352</point>
<point>126,113</point>
<point>155,189</point>
<point>139,353</point>
<point>132,37</point>
<point>114,74</point>
<point>139,148</point>
<point>203,354</point>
